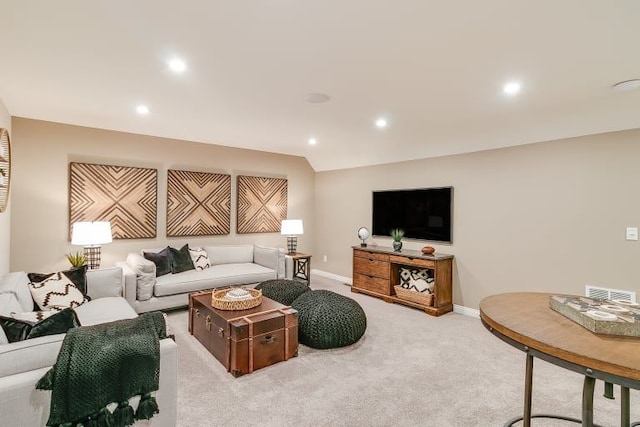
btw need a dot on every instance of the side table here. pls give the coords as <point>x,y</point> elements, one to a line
<point>301,266</point>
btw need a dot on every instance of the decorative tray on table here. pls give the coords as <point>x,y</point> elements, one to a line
<point>609,317</point>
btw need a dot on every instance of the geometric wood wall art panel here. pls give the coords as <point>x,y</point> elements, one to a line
<point>262,204</point>
<point>125,196</point>
<point>198,203</point>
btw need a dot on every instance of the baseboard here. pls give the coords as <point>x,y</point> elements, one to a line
<point>346,280</point>
<point>460,309</point>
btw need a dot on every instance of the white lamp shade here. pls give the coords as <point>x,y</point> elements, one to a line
<point>87,233</point>
<point>291,227</point>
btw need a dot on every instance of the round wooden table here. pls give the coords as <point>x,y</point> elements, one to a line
<point>525,321</point>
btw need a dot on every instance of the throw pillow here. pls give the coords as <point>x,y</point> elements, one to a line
<point>50,323</point>
<point>55,291</point>
<point>200,258</point>
<point>180,259</point>
<point>417,280</point>
<point>161,260</point>
<point>78,275</point>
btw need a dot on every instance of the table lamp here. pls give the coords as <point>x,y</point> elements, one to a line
<point>91,234</point>
<point>291,228</point>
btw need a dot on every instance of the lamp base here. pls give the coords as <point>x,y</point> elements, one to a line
<point>292,243</point>
<point>92,254</point>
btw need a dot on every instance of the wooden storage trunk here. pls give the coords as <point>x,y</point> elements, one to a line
<point>245,340</point>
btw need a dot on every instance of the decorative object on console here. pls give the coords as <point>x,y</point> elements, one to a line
<point>5,168</point>
<point>91,235</point>
<point>292,228</point>
<point>198,203</point>
<point>262,204</point>
<point>428,250</point>
<point>397,234</point>
<point>125,196</point>
<point>363,234</point>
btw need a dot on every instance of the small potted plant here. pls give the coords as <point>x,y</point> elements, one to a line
<point>77,259</point>
<point>397,234</point>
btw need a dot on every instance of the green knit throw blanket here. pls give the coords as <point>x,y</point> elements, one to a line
<point>106,364</point>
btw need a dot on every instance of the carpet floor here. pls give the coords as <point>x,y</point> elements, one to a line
<point>409,369</point>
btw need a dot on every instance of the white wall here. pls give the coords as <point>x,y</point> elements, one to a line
<point>5,217</point>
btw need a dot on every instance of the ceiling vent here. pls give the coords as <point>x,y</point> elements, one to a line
<point>610,294</point>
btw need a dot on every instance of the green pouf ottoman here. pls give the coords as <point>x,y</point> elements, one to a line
<point>329,320</point>
<point>282,290</point>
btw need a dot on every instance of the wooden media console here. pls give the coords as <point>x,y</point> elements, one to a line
<point>376,270</point>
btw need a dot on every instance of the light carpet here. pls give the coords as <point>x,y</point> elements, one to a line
<point>409,369</point>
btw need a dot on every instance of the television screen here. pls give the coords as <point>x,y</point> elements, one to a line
<point>423,214</point>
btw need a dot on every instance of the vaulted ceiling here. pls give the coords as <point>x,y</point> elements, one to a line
<point>435,70</point>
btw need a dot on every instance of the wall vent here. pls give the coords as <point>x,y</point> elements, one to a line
<point>610,294</point>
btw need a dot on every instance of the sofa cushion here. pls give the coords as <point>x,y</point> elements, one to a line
<point>145,275</point>
<point>216,276</point>
<point>17,329</point>
<point>17,283</point>
<point>9,304</point>
<point>104,310</point>
<point>104,282</point>
<point>230,254</point>
<point>180,259</point>
<point>200,258</point>
<point>161,260</point>
<point>267,257</point>
<point>55,291</point>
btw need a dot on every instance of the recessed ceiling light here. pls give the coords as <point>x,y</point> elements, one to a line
<point>381,123</point>
<point>142,109</point>
<point>627,85</point>
<point>511,88</point>
<point>317,98</point>
<point>313,141</point>
<point>177,65</point>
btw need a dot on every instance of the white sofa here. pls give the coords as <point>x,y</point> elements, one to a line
<point>23,363</point>
<point>229,265</point>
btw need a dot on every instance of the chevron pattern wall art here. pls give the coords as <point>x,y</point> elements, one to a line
<point>198,203</point>
<point>262,204</point>
<point>125,196</point>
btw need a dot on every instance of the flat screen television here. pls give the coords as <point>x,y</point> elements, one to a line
<point>423,213</point>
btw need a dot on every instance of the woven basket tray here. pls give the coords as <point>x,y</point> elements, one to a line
<point>423,298</point>
<point>218,301</point>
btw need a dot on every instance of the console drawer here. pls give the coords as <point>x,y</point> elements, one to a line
<point>374,284</point>
<point>371,267</point>
<point>370,255</point>
<point>413,262</point>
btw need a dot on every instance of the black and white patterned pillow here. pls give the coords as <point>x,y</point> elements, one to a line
<point>33,317</point>
<point>200,258</point>
<point>56,292</point>
<point>417,280</point>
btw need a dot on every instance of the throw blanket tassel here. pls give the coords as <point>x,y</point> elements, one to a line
<point>123,414</point>
<point>147,408</point>
<point>105,418</point>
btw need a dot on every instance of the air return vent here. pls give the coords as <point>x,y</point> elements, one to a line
<point>605,293</point>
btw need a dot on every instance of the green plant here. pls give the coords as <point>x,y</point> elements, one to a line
<point>397,234</point>
<point>77,260</point>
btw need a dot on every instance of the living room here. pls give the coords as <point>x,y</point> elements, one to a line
<point>542,199</point>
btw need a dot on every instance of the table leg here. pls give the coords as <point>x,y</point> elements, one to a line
<point>625,407</point>
<point>528,391</point>
<point>587,401</point>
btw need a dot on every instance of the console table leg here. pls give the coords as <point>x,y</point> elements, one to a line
<point>587,401</point>
<point>625,407</point>
<point>528,391</point>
